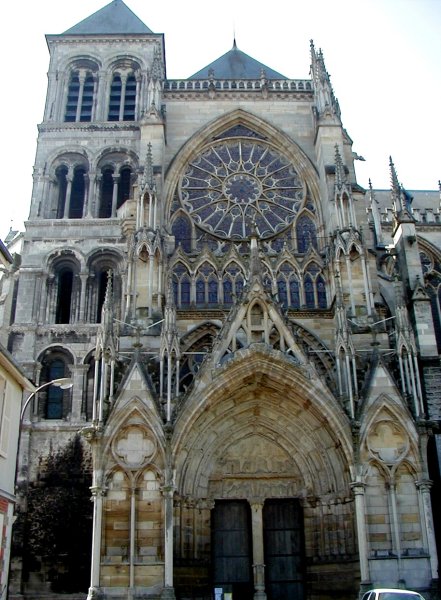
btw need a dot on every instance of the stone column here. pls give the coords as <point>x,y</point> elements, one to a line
<point>82,78</point>
<point>97,496</point>
<point>427,524</point>
<point>168,592</point>
<point>258,565</point>
<point>358,489</point>
<point>68,193</point>
<point>114,195</point>
<point>123,97</point>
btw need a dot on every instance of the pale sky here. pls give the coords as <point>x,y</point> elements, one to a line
<point>384,58</point>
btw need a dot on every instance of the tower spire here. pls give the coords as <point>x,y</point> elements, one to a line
<point>326,102</point>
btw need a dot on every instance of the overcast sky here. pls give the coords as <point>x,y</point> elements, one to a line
<point>384,58</point>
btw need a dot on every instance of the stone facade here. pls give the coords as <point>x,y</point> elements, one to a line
<point>252,337</point>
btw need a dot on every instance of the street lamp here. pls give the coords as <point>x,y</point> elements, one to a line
<point>63,382</point>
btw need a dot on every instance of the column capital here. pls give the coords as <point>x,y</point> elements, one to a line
<point>358,487</point>
<point>256,503</point>
<point>424,485</point>
<point>97,490</point>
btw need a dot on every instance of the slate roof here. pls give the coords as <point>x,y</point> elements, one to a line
<point>114,18</point>
<point>235,64</point>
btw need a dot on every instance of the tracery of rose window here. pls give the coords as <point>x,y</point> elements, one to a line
<point>239,186</point>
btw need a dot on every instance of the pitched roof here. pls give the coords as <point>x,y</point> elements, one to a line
<point>235,64</point>
<point>115,17</point>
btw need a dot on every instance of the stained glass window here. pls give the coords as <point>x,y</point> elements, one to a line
<point>321,292</point>
<point>294,292</point>
<point>181,229</point>
<point>309,292</point>
<point>306,233</point>
<point>241,186</point>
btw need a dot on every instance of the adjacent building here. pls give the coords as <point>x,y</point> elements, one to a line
<point>253,337</point>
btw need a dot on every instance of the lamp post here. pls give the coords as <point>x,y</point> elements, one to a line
<point>63,382</point>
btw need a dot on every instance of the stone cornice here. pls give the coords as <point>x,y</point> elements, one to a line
<point>89,126</point>
<point>239,94</point>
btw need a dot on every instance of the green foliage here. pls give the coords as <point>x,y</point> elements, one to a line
<point>59,519</point>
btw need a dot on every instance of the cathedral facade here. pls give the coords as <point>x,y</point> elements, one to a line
<point>253,338</point>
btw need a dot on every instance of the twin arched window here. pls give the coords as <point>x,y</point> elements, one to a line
<point>82,91</point>
<point>71,191</point>
<point>295,292</point>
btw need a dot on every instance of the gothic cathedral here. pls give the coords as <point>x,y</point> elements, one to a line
<point>253,338</point>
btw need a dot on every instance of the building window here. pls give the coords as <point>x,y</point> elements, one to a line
<point>61,178</point>
<point>181,229</point>
<point>77,195</point>
<point>80,97</point>
<point>122,101</point>
<point>105,210</point>
<point>64,291</point>
<point>124,186</point>
<point>206,286</point>
<point>306,234</point>
<point>53,401</point>
<point>64,296</point>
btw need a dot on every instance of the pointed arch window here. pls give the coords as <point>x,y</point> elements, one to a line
<point>288,286</point>
<point>321,292</point>
<point>306,233</point>
<point>309,292</point>
<point>294,292</point>
<point>181,285</point>
<point>181,229</point>
<point>206,285</point>
<point>232,283</point>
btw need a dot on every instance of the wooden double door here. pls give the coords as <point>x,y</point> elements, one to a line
<point>283,548</point>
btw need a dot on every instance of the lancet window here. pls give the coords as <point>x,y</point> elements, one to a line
<point>206,285</point>
<point>306,233</point>
<point>181,229</point>
<point>288,286</point>
<point>181,285</point>
<point>232,282</point>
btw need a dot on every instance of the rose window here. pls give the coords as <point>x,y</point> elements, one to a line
<point>237,187</point>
